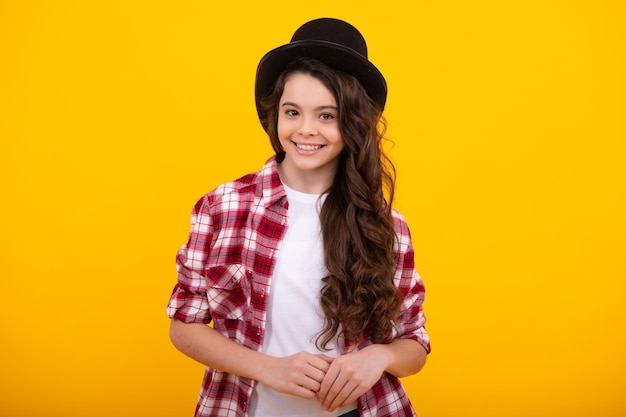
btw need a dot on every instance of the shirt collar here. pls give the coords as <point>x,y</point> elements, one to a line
<point>271,184</point>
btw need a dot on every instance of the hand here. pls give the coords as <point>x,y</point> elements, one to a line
<point>300,374</point>
<point>350,376</point>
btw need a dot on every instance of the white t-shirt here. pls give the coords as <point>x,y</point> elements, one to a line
<point>294,315</point>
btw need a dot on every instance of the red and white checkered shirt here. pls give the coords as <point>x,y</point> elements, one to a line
<point>224,276</point>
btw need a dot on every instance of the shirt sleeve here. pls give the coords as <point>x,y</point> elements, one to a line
<point>188,302</point>
<point>411,322</point>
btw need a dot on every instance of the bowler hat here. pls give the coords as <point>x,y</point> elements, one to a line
<point>333,42</point>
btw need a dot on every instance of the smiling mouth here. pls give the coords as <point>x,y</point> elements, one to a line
<point>305,147</point>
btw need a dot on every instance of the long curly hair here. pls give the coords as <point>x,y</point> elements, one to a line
<point>358,294</point>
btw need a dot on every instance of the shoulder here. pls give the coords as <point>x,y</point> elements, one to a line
<point>235,195</point>
<point>229,196</point>
<point>242,186</point>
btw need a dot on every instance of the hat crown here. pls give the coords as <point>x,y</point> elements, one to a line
<point>334,31</point>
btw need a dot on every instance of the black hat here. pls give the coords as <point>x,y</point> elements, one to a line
<point>335,43</point>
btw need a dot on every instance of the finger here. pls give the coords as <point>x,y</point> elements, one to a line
<point>303,392</point>
<point>326,385</point>
<point>335,395</point>
<point>351,398</point>
<point>328,359</point>
<point>320,362</point>
<point>308,384</point>
<point>343,397</point>
<point>315,375</point>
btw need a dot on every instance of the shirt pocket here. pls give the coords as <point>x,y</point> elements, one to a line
<point>228,291</point>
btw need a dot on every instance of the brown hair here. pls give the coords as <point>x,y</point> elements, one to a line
<point>356,221</point>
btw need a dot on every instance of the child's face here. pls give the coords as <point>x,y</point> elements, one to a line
<point>308,129</point>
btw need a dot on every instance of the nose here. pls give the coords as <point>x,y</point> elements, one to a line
<point>307,127</point>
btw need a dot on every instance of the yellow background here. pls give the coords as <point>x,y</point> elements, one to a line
<point>509,125</point>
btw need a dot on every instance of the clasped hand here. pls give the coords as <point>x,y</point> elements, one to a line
<point>335,382</point>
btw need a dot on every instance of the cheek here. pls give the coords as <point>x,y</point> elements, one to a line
<point>284,130</point>
<point>337,139</point>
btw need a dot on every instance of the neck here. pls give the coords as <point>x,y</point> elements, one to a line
<point>309,182</point>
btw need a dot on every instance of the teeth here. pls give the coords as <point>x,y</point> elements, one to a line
<point>308,147</point>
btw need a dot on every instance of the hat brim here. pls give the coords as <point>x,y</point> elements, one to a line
<point>332,54</point>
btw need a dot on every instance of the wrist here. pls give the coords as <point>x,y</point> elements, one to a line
<point>264,368</point>
<point>383,355</point>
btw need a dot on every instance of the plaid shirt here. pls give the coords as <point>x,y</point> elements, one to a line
<point>224,276</point>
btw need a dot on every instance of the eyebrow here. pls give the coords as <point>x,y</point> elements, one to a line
<point>323,107</point>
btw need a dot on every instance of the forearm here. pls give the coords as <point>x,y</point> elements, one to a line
<point>402,357</point>
<point>209,347</point>
<point>300,374</point>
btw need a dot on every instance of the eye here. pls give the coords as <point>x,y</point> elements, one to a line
<point>291,113</point>
<point>327,116</point>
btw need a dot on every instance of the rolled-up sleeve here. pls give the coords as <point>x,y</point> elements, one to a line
<point>188,302</point>
<point>411,322</point>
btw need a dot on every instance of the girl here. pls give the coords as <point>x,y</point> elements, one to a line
<point>304,269</point>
